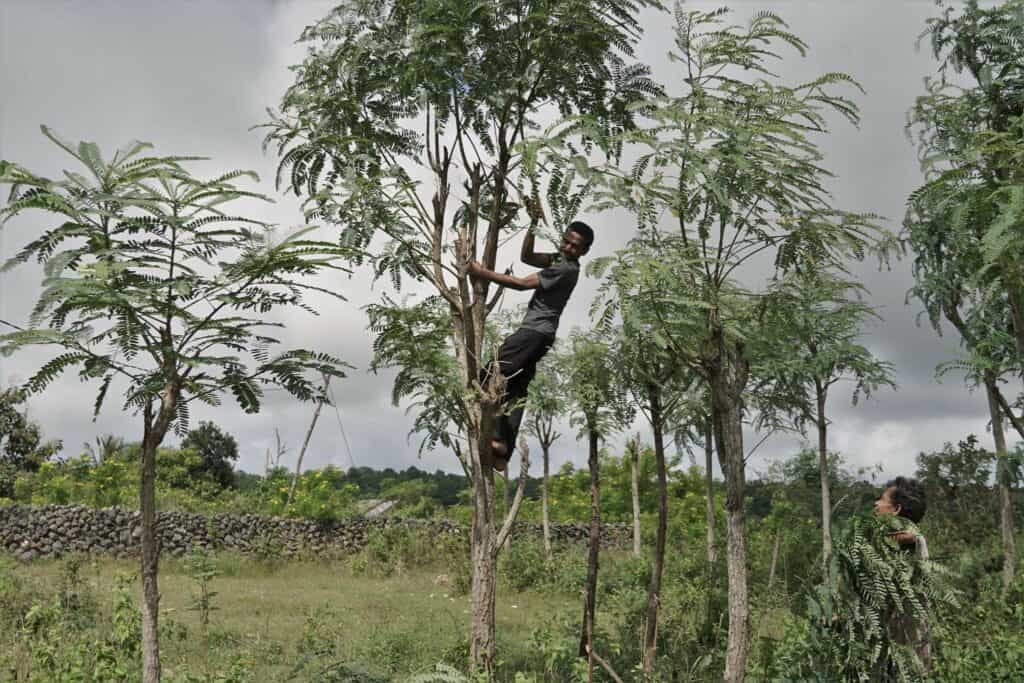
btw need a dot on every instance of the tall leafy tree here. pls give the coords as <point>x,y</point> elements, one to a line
<point>732,166</point>
<point>217,450</point>
<point>977,159</point>
<point>403,128</point>
<point>414,338</point>
<point>598,408</point>
<point>661,388</point>
<point>151,282</point>
<point>963,224</point>
<point>822,314</point>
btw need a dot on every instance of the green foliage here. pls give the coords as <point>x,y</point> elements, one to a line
<point>391,92</point>
<point>597,405</point>
<point>54,638</point>
<point>150,279</point>
<point>319,494</point>
<point>395,550</point>
<point>964,223</point>
<point>114,482</point>
<point>823,314</point>
<point>107,446</point>
<point>203,570</point>
<point>217,450</point>
<point>21,446</point>
<point>867,620</point>
<point>956,479</point>
<point>416,340</point>
<point>981,639</point>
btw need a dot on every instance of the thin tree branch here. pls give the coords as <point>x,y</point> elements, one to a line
<point>513,512</point>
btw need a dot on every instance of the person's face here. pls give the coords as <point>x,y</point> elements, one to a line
<point>573,245</point>
<point>884,504</point>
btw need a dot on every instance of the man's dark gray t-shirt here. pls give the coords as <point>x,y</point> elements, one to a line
<point>556,284</point>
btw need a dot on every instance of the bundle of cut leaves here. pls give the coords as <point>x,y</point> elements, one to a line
<point>869,620</point>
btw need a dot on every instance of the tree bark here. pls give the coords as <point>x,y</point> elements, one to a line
<point>545,520</point>
<point>635,481</point>
<point>593,550</point>
<point>654,589</point>
<point>155,428</point>
<point>728,378</point>
<point>821,393</point>
<point>1005,503</point>
<point>709,494</point>
<point>150,557</point>
<point>1017,313</point>
<point>483,580</point>
<point>505,505</point>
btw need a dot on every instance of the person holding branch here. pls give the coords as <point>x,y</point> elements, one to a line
<point>519,354</point>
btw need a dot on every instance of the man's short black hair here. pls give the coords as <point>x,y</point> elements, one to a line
<point>909,495</point>
<point>583,230</point>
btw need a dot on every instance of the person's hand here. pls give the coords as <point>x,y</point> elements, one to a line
<point>534,209</point>
<point>904,537</point>
<point>474,267</point>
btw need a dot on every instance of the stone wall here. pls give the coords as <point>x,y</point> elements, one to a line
<point>29,532</point>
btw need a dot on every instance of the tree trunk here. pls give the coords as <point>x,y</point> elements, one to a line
<point>635,480</point>
<point>826,501</point>
<point>775,557</point>
<point>654,589</point>
<point>709,494</point>
<point>150,557</point>
<point>505,504</point>
<point>1005,503</point>
<point>593,549</point>
<point>1017,313</point>
<point>545,521</point>
<point>155,428</point>
<point>728,378</point>
<point>484,569</point>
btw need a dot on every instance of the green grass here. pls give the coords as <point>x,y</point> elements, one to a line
<point>289,621</point>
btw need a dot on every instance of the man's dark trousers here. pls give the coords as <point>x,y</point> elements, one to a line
<point>517,358</point>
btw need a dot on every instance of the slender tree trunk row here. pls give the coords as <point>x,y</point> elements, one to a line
<point>545,520</point>
<point>826,500</point>
<point>1006,525</point>
<point>150,558</point>
<point>586,648</point>
<point>728,378</point>
<point>483,557</point>
<point>634,459</point>
<point>709,493</point>
<point>155,428</point>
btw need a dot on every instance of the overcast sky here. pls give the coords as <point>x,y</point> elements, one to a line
<point>193,77</point>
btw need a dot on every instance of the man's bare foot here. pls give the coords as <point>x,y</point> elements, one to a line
<point>499,455</point>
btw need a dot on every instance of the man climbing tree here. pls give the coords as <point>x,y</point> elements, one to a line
<point>522,350</point>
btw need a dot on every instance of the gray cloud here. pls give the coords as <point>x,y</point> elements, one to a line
<point>193,77</point>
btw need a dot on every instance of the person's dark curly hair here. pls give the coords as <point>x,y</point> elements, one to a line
<point>908,493</point>
<point>584,231</point>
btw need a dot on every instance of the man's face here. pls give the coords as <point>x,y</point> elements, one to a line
<point>884,504</point>
<point>573,245</point>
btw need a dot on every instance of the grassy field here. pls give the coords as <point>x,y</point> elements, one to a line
<point>286,621</point>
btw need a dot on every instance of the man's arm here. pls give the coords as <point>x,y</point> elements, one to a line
<point>531,281</point>
<point>531,258</point>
